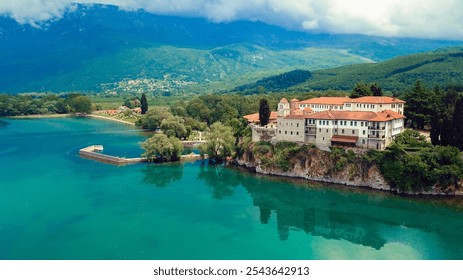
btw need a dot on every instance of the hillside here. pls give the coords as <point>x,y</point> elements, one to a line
<point>101,48</point>
<point>441,67</point>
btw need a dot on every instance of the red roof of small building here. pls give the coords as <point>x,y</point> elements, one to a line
<point>254,118</point>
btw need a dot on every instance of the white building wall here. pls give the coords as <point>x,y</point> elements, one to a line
<point>291,130</point>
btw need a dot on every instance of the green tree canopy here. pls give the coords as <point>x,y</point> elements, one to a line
<point>174,126</point>
<point>161,148</point>
<point>220,142</point>
<point>360,89</point>
<point>153,118</point>
<point>80,104</point>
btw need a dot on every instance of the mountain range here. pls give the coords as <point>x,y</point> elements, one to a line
<point>441,67</point>
<point>100,48</point>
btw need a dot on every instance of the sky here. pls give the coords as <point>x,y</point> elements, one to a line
<point>435,19</point>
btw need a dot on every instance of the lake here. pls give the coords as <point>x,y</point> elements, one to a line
<point>56,205</point>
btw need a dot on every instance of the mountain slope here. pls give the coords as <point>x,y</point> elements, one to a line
<point>102,48</point>
<point>441,67</point>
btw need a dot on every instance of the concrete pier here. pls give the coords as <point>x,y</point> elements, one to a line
<point>94,153</point>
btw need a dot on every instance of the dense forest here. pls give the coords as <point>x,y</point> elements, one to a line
<point>44,104</point>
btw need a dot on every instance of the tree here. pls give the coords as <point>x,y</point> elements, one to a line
<point>219,142</point>
<point>361,89</point>
<point>161,148</point>
<point>376,90</point>
<point>143,104</point>
<point>153,118</point>
<point>419,105</point>
<point>174,127</point>
<point>80,104</point>
<point>264,112</point>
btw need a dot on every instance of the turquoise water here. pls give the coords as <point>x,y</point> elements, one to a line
<point>55,205</point>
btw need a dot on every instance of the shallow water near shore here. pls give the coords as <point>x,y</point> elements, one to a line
<point>56,205</point>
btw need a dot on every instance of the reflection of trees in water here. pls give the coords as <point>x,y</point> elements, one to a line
<point>220,179</point>
<point>3,124</point>
<point>316,212</point>
<point>162,175</point>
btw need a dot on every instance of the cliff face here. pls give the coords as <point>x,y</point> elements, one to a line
<point>344,167</point>
<point>318,165</point>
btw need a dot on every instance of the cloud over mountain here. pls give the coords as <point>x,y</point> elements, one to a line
<point>401,18</point>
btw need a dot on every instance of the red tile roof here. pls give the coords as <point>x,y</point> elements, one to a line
<point>254,118</point>
<point>343,100</point>
<point>344,139</point>
<point>284,100</point>
<point>377,100</point>
<point>327,100</point>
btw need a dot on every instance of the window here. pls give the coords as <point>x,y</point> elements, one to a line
<point>319,130</point>
<point>355,123</point>
<point>351,123</point>
<point>291,133</point>
<point>363,141</point>
<point>353,131</point>
<point>336,130</point>
<point>372,106</point>
<point>297,133</point>
<point>364,132</point>
<point>297,125</point>
<point>342,131</point>
<point>320,122</point>
<point>327,131</point>
<point>286,132</point>
<point>279,131</point>
<point>335,122</point>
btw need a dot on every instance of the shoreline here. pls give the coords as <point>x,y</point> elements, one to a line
<point>51,116</point>
<point>108,119</point>
<point>57,116</point>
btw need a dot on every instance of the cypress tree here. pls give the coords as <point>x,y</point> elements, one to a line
<point>264,112</point>
<point>144,104</point>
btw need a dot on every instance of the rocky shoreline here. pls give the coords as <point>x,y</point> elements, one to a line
<point>370,177</point>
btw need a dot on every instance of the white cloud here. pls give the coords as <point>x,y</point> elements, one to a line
<point>404,18</point>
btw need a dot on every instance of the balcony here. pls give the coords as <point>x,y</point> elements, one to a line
<point>377,127</point>
<point>380,137</point>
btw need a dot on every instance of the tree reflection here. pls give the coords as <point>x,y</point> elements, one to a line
<point>221,180</point>
<point>162,175</point>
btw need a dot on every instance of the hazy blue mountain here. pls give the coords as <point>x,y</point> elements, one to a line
<point>102,48</point>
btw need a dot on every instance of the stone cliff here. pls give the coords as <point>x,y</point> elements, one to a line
<point>350,167</point>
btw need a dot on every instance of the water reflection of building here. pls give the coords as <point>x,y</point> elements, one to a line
<point>295,212</point>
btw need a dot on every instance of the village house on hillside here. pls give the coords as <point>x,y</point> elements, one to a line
<point>370,122</point>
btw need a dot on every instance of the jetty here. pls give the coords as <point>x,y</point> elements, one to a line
<point>94,153</point>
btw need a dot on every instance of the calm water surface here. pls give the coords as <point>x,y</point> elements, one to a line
<point>55,205</point>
